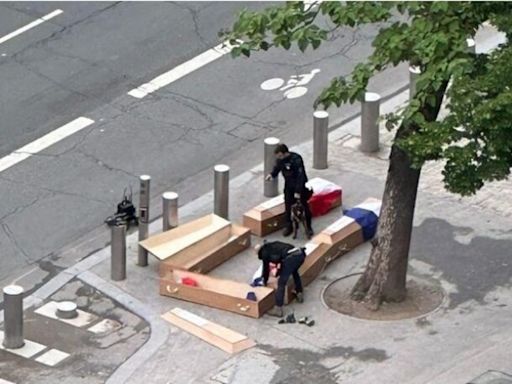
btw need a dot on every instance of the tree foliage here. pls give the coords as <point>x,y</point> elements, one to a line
<point>474,137</point>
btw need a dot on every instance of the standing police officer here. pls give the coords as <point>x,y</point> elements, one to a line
<point>290,164</point>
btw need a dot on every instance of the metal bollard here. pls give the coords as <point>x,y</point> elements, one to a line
<point>145,180</point>
<point>370,111</point>
<point>320,139</point>
<point>66,310</point>
<point>221,191</point>
<point>170,210</point>
<point>414,73</point>
<point>118,253</point>
<point>270,187</point>
<point>13,317</point>
<point>471,45</point>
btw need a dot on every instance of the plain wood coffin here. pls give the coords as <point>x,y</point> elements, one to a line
<point>267,217</point>
<point>345,233</point>
<point>214,334</point>
<point>218,293</point>
<point>202,258</point>
<point>204,233</point>
<point>270,216</point>
<point>342,236</point>
<point>315,262</point>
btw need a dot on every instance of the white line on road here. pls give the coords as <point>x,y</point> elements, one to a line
<point>44,142</point>
<point>181,70</point>
<point>30,25</point>
<point>21,277</point>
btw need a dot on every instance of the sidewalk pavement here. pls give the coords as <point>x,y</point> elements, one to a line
<point>463,243</point>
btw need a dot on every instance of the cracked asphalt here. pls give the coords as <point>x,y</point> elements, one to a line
<point>84,61</point>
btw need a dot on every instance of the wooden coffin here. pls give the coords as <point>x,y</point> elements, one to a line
<point>202,258</point>
<point>270,216</point>
<point>217,293</point>
<point>204,233</point>
<point>315,262</point>
<point>342,236</point>
<point>345,233</point>
<point>214,334</point>
<point>267,217</point>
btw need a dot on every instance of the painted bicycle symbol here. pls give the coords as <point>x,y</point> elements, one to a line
<point>295,86</point>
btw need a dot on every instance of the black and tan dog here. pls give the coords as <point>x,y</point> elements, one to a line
<point>298,218</point>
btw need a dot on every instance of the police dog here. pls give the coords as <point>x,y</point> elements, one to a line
<point>298,218</point>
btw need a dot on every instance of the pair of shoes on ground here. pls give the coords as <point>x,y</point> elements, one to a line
<point>307,321</point>
<point>290,319</point>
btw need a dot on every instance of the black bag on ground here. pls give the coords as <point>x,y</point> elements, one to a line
<point>126,212</point>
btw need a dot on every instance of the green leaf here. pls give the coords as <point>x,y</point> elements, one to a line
<point>472,134</point>
<point>303,44</point>
<point>316,43</point>
<point>264,45</point>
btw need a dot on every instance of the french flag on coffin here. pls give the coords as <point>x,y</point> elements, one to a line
<point>326,196</point>
<point>366,215</point>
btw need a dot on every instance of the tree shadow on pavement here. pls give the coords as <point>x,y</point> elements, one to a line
<point>475,268</point>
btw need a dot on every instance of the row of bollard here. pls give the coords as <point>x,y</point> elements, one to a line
<point>169,219</point>
<point>13,295</point>
<point>369,143</point>
<point>370,112</point>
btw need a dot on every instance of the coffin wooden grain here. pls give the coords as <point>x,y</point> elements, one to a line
<point>217,293</point>
<point>267,217</point>
<point>202,257</point>
<point>315,262</point>
<point>204,233</point>
<point>214,334</point>
<point>270,216</point>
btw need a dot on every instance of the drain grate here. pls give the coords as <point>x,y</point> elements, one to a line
<point>492,377</point>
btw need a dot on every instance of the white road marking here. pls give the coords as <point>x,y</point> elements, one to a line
<point>44,142</point>
<point>52,357</point>
<point>30,25</point>
<point>294,87</point>
<point>271,84</point>
<point>21,277</point>
<point>181,70</point>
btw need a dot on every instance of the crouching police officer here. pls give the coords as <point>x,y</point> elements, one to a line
<point>290,164</point>
<point>288,260</point>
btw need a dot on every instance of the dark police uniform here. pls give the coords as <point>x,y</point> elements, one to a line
<point>289,259</point>
<point>295,178</point>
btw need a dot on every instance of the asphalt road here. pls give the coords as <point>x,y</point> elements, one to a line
<point>84,62</point>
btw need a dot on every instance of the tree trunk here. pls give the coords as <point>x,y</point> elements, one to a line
<point>385,275</point>
<point>384,278</point>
